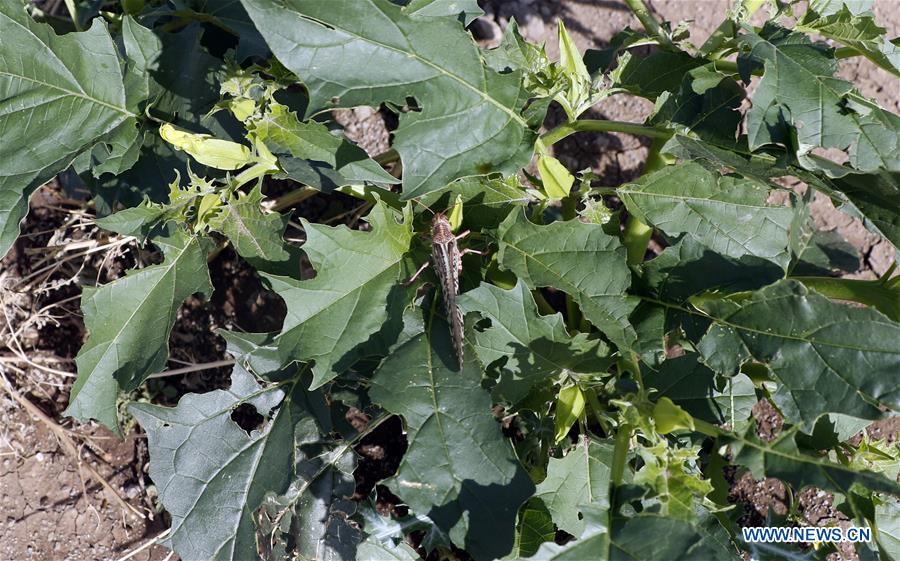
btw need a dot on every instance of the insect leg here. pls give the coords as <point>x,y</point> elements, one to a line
<point>417,273</point>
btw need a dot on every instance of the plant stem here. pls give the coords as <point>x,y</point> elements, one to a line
<point>389,156</point>
<point>595,125</point>
<point>652,26</point>
<point>620,454</point>
<point>636,238</point>
<point>73,13</point>
<point>291,198</point>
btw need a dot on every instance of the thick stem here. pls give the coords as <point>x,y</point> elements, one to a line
<point>652,26</point>
<point>594,125</point>
<point>620,454</point>
<point>637,238</point>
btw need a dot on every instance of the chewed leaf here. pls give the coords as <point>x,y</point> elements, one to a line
<point>341,50</point>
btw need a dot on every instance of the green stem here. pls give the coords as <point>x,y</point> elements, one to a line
<point>389,156</point>
<point>73,13</point>
<point>594,125</point>
<point>254,172</point>
<point>636,238</point>
<point>543,306</point>
<point>620,455</point>
<point>881,294</point>
<point>293,197</point>
<point>650,24</point>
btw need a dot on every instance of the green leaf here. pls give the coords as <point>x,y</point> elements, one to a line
<point>458,468</point>
<point>465,10</point>
<point>782,459</point>
<point>857,30</point>
<point>689,268</point>
<point>829,357</point>
<point>694,387</point>
<point>348,308</point>
<point>535,527</point>
<point>877,196</point>
<point>654,74</point>
<point>579,259</point>
<point>213,475</point>
<point>645,537</point>
<point>728,214</point>
<point>469,123</point>
<point>310,521</point>
<point>61,95</point>
<point>283,132</point>
<point>579,478</point>
<point>376,551</point>
<point>255,235</point>
<point>669,417</point>
<point>530,348</point>
<point>887,523</point>
<point>706,103</point>
<point>129,321</point>
<point>800,103</point>
<point>487,200</point>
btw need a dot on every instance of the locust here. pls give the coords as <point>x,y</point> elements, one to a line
<point>446,258</point>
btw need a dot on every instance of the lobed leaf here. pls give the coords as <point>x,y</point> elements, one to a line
<point>829,357</point>
<point>527,347</point>
<point>579,259</point>
<point>468,122</point>
<point>458,469</point>
<point>728,214</point>
<point>581,477</point>
<point>61,95</point>
<point>334,313</point>
<point>129,321</point>
<point>213,475</point>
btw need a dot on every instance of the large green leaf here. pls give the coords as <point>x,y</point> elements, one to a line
<point>725,213</point>
<point>646,537</point>
<point>877,196</point>
<point>466,10</point>
<point>458,468</point>
<point>213,475</point>
<point>283,132</point>
<point>579,478</point>
<point>469,122</point>
<point>59,95</point>
<point>257,236</point>
<point>798,96</point>
<point>829,357</point>
<point>310,521</point>
<point>129,321</point>
<point>332,314</point>
<point>579,259</point>
<point>694,387</point>
<point>782,459</point>
<point>706,103</point>
<point>534,347</point>
<point>857,30</point>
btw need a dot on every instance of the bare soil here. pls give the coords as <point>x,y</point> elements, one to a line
<point>50,507</point>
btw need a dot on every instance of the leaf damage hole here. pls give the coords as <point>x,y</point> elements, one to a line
<point>247,417</point>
